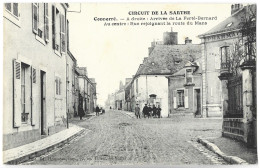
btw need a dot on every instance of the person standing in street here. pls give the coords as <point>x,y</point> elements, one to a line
<point>159,111</point>
<point>149,111</point>
<point>81,112</point>
<point>145,110</point>
<point>97,111</point>
<point>137,111</point>
<point>154,109</point>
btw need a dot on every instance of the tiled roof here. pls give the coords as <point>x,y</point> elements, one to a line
<point>168,59</point>
<point>231,23</point>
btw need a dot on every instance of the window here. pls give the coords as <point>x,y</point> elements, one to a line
<point>12,13</point>
<point>13,8</point>
<point>225,53</point>
<point>180,94</point>
<point>25,92</point>
<point>58,86</point>
<point>41,21</point>
<point>188,75</point>
<point>250,48</point>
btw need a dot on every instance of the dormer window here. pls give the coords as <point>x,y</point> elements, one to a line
<point>228,25</point>
<point>177,62</point>
<point>188,76</point>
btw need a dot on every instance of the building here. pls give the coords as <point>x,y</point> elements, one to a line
<point>229,73</point>
<point>127,88</point>
<point>34,71</point>
<point>87,90</point>
<point>83,88</point>
<point>185,90</point>
<point>92,95</point>
<point>120,97</point>
<point>70,85</point>
<point>150,85</point>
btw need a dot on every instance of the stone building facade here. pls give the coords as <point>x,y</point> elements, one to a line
<point>232,46</point>
<point>35,85</point>
<point>185,91</point>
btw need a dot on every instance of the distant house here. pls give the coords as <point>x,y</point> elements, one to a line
<point>70,85</point>
<point>185,90</point>
<point>229,73</point>
<point>150,84</point>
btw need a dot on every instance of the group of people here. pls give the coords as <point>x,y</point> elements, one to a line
<point>148,111</point>
<point>98,110</point>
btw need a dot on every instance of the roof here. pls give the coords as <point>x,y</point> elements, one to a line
<point>196,63</point>
<point>168,59</point>
<point>231,23</point>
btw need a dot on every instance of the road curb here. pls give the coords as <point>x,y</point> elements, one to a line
<point>35,154</point>
<point>215,149</point>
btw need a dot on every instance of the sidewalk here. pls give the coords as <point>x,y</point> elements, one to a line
<point>231,150</point>
<point>37,148</point>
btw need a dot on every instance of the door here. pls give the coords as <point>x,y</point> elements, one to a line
<point>43,103</point>
<point>198,102</point>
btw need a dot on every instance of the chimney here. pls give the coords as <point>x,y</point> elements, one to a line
<point>188,41</point>
<point>235,8</point>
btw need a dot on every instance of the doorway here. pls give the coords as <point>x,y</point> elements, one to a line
<point>197,102</point>
<point>43,103</point>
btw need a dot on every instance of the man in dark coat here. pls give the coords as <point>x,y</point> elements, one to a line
<point>159,111</point>
<point>137,111</point>
<point>97,111</point>
<point>81,112</point>
<point>154,111</point>
<point>149,111</point>
<point>145,110</point>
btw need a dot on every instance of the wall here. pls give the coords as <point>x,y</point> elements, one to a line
<point>177,83</point>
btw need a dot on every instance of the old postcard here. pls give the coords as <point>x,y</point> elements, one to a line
<point>139,84</point>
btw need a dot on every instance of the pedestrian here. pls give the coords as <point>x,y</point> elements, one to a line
<point>97,111</point>
<point>154,109</point>
<point>145,111</point>
<point>137,111</point>
<point>81,112</point>
<point>149,111</point>
<point>159,111</point>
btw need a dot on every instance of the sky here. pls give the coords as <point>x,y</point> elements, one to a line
<point>113,53</point>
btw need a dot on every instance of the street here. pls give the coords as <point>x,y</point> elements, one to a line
<point>116,138</point>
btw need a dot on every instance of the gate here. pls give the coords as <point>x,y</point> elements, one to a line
<point>235,97</point>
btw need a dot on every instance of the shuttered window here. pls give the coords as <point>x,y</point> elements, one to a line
<point>58,86</point>
<point>62,31</point>
<point>180,98</point>
<point>34,75</point>
<point>35,13</point>
<point>46,22</point>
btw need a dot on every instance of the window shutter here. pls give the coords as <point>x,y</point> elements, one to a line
<point>174,99</point>
<point>46,22</point>
<point>17,118</point>
<point>34,96</point>
<point>186,100</point>
<point>35,17</point>
<point>53,26</point>
<point>62,29</point>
